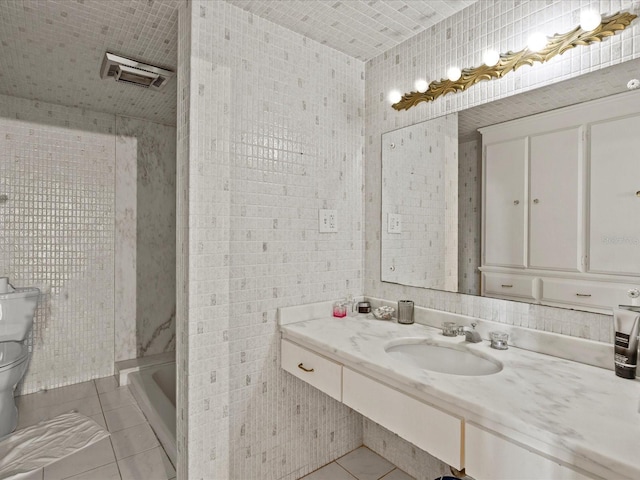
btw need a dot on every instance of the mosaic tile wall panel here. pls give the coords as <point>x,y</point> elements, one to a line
<point>420,187</point>
<point>126,151</point>
<point>273,134</point>
<point>469,206</point>
<point>57,169</point>
<point>71,223</point>
<point>461,40</point>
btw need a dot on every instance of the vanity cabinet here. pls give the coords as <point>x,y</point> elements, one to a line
<point>316,370</point>
<point>489,456</point>
<point>429,428</point>
<point>561,203</point>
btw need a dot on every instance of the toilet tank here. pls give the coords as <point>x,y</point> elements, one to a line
<point>17,308</point>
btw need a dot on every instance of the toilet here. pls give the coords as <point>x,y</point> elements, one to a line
<point>17,307</point>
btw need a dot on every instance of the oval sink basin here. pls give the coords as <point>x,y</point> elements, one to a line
<point>442,359</point>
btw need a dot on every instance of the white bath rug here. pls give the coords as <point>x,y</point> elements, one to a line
<point>42,444</point>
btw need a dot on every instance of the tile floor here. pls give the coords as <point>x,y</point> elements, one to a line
<point>132,452</point>
<point>361,464</point>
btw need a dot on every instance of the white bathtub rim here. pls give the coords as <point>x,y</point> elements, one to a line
<point>156,407</point>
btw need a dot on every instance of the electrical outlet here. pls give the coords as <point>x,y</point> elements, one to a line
<point>328,221</point>
<point>394,224</point>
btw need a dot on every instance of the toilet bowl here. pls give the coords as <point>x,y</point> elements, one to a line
<point>17,307</point>
<point>14,360</point>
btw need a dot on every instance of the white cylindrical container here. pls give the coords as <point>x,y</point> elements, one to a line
<point>4,284</point>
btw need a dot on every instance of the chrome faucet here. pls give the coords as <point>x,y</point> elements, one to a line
<point>470,334</point>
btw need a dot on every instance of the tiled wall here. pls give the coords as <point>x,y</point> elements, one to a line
<point>57,168</point>
<point>67,228</point>
<point>273,133</point>
<point>461,39</point>
<point>420,185</point>
<point>469,209</point>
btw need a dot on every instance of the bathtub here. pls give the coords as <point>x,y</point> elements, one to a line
<point>154,388</point>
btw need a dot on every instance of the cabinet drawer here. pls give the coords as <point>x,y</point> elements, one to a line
<point>427,427</point>
<point>506,285</point>
<point>316,370</point>
<point>589,294</point>
<point>489,456</point>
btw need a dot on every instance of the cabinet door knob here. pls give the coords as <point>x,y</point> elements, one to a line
<point>302,367</point>
<point>638,193</point>
<point>535,200</point>
<point>516,202</point>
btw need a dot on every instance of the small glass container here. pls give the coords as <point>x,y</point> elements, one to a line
<point>339,310</point>
<point>364,307</point>
<point>499,340</point>
<point>449,329</point>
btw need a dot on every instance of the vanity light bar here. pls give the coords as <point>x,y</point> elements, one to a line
<point>510,61</point>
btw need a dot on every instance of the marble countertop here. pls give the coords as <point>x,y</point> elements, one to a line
<point>580,414</point>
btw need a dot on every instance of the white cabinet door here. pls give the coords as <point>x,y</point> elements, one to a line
<point>555,164</point>
<point>318,371</point>
<point>491,457</point>
<point>504,203</point>
<point>614,218</point>
<point>427,427</point>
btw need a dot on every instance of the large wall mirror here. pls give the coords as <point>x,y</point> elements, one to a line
<point>435,210</point>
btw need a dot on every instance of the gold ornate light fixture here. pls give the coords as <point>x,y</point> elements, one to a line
<point>510,61</point>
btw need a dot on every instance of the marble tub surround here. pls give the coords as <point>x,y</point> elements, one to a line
<point>577,413</point>
<point>153,172</point>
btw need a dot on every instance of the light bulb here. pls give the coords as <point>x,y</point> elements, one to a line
<point>589,20</point>
<point>421,85</point>
<point>537,42</point>
<point>490,58</point>
<point>454,73</point>
<point>394,96</point>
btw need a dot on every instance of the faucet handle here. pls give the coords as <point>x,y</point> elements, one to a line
<point>473,325</point>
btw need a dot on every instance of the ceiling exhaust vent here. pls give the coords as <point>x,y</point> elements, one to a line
<point>134,73</point>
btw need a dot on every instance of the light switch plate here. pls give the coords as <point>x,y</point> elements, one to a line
<point>394,223</point>
<point>328,221</point>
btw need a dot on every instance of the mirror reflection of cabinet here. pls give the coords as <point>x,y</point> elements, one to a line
<point>614,214</point>
<point>531,186</point>
<point>555,168</point>
<point>551,233</point>
<point>505,190</point>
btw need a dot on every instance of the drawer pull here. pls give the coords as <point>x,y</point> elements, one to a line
<point>583,294</point>
<point>302,367</point>
<point>507,286</point>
